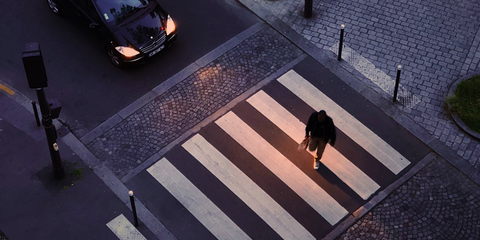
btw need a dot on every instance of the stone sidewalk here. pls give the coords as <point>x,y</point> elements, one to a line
<point>439,202</point>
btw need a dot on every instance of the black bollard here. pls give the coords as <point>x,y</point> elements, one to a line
<point>35,111</point>
<point>308,8</point>
<point>340,44</point>
<point>397,82</point>
<point>134,210</point>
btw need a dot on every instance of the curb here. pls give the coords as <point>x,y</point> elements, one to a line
<point>454,115</point>
<point>359,213</point>
<point>115,185</point>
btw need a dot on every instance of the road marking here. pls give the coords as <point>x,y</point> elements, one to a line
<point>124,230</point>
<point>195,201</point>
<point>7,89</point>
<point>377,76</point>
<point>355,178</point>
<point>297,180</point>
<point>353,128</point>
<point>247,190</point>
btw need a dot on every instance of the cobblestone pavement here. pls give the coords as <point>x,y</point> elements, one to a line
<point>171,114</point>
<point>439,202</point>
<point>436,42</point>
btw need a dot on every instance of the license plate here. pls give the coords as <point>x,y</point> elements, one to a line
<point>156,51</point>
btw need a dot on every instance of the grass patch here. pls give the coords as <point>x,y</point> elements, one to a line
<point>74,176</point>
<point>77,172</point>
<point>466,102</point>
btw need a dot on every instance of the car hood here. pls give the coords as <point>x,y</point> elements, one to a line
<point>142,29</point>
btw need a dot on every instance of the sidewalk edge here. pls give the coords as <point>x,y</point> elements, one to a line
<point>110,180</point>
<point>380,196</point>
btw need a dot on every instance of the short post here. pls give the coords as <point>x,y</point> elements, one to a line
<point>340,45</point>
<point>35,111</point>
<point>134,210</point>
<point>308,8</point>
<point>399,69</point>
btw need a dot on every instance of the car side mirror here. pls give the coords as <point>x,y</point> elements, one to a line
<point>94,25</point>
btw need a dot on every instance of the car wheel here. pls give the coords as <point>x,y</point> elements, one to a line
<point>52,4</point>
<point>114,59</point>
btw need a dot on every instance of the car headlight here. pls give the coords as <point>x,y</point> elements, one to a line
<point>170,25</point>
<point>127,51</point>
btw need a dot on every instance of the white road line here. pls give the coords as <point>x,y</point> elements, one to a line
<point>247,190</point>
<point>353,128</point>
<point>195,201</point>
<point>297,180</point>
<point>357,180</point>
<point>124,230</point>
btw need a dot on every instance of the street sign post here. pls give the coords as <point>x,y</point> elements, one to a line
<point>37,78</point>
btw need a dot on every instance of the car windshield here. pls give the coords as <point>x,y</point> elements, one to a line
<point>119,10</point>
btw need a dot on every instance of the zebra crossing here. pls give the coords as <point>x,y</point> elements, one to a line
<point>273,158</point>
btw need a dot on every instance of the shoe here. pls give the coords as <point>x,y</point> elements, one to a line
<point>316,164</point>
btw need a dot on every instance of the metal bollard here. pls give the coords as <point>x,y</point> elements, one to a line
<point>397,82</point>
<point>340,45</point>
<point>35,111</point>
<point>132,201</point>
<point>308,8</point>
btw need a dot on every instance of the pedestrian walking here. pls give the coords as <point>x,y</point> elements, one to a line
<point>320,129</point>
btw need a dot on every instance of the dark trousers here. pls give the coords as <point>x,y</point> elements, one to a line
<point>317,143</point>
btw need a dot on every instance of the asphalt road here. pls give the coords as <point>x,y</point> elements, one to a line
<point>87,85</point>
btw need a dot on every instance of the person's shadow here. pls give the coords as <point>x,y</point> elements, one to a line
<point>328,175</point>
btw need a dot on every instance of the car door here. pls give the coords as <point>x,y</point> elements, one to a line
<point>86,17</point>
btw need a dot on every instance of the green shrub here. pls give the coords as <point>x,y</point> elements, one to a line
<point>466,102</point>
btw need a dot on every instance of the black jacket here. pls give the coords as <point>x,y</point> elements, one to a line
<point>325,129</point>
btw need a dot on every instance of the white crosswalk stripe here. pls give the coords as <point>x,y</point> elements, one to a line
<point>353,128</point>
<point>123,229</point>
<point>363,185</point>
<point>195,201</point>
<point>249,192</point>
<point>290,174</point>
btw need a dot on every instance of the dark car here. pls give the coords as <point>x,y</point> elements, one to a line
<point>130,31</point>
